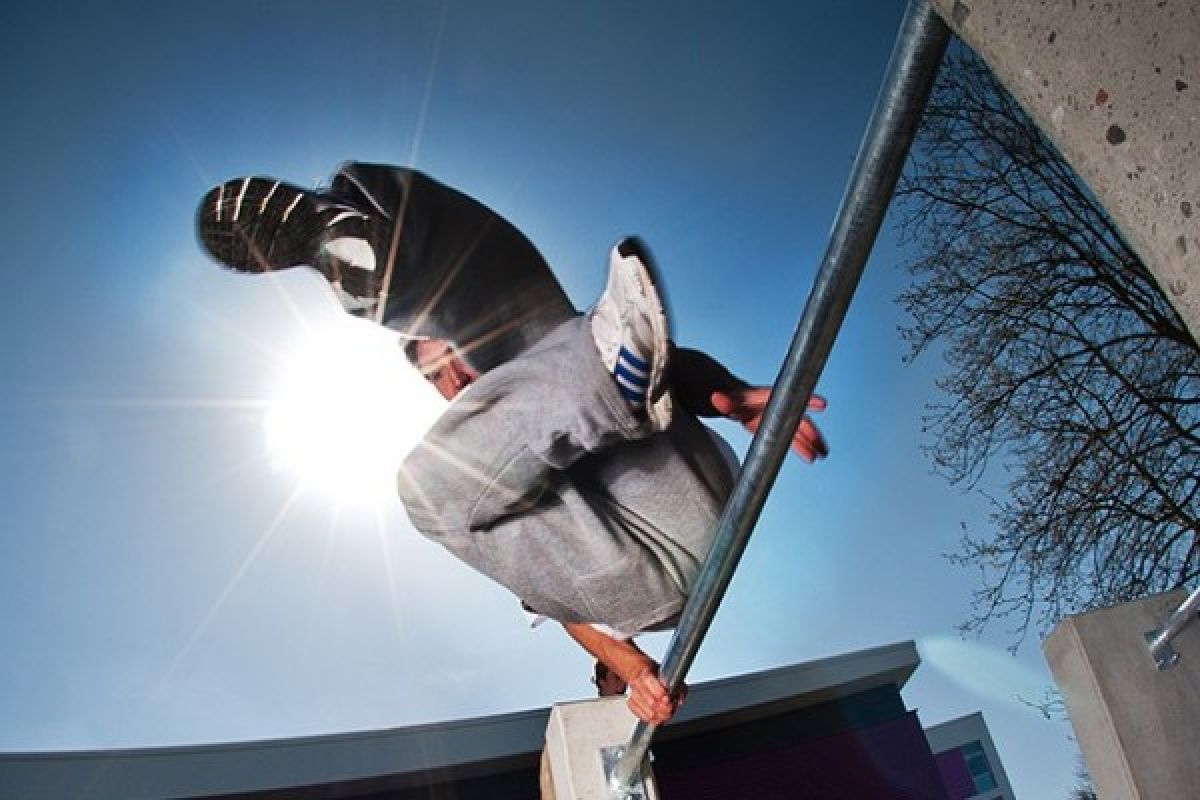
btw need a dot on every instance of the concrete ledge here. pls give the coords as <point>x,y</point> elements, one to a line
<point>575,738</point>
<point>1137,726</point>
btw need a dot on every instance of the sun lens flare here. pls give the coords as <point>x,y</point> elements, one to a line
<point>983,669</point>
<point>346,411</point>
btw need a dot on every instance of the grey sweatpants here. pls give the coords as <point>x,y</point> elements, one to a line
<point>541,478</point>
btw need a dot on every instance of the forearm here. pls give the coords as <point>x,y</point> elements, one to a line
<point>695,376</point>
<point>621,656</point>
<point>648,698</point>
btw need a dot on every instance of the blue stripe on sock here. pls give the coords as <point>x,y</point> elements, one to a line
<point>633,359</point>
<point>625,383</point>
<point>642,376</point>
<point>636,399</point>
<point>640,381</point>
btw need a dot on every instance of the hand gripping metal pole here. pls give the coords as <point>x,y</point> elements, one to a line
<point>910,74</point>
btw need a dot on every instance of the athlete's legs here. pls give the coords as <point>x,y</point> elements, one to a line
<point>541,477</point>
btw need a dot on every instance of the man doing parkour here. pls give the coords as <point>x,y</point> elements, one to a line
<point>565,473</point>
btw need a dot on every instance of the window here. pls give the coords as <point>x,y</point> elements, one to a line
<point>978,766</point>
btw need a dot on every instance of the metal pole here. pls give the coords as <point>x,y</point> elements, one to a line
<point>910,74</point>
<point>1159,641</point>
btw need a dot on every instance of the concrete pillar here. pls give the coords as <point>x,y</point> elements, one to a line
<point>1137,726</point>
<point>1116,85</point>
<point>577,736</point>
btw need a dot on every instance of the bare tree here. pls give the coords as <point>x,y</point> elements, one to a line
<point>1083,789</point>
<point>1052,706</point>
<point>1068,371</point>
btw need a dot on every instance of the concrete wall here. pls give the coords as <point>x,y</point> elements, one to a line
<point>1115,85</point>
<point>1137,726</point>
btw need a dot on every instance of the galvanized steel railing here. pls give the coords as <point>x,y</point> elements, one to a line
<point>910,74</point>
<point>1159,641</point>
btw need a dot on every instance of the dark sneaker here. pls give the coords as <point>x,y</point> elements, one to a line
<point>629,326</point>
<point>260,224</point>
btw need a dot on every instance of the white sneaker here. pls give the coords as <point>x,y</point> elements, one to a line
<point>629,326</point>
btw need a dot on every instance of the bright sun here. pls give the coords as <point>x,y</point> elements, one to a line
<point>346,411</point>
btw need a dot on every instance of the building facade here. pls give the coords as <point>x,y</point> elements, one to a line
<point>837,729</point>
<point>967,760</point>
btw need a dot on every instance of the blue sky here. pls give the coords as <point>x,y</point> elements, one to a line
<point>168,578</point>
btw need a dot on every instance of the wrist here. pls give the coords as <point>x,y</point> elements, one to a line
<point>638,667</point>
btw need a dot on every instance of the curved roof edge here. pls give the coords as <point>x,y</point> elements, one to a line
<point>456,748</point>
